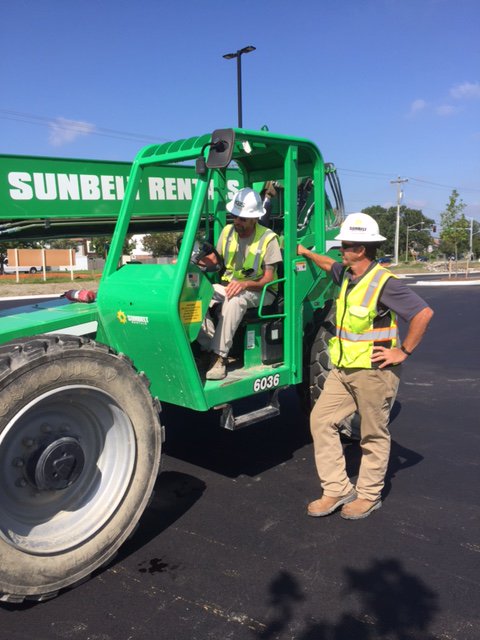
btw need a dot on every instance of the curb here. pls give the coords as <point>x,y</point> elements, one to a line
<point>438,283</point>
<point>443,283</point>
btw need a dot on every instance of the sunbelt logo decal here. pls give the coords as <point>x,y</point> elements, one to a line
<point>123,318</point>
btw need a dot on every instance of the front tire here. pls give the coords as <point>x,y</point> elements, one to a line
<point>80,441</point>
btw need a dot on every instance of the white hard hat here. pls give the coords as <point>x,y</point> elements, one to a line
<point>246,203</point>
<point>359,227</point>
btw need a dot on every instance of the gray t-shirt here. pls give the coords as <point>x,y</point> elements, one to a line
<point>273,254</point>
<point>395,294</point>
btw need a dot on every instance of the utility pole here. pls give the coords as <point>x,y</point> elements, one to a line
<point>399,181</point>
<point>471,238</point>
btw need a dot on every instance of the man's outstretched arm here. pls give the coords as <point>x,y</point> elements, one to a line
<point>324,262</point>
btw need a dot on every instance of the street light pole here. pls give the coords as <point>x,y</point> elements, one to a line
<point>238,56</point>
<point>398,182</point>
<point>406,244</point>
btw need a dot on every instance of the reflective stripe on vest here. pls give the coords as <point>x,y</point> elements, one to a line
<point>356,313</point>
<point>375,335</point>
<point>252,265</point>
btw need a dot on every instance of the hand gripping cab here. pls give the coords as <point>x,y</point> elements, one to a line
<point>80,432</point>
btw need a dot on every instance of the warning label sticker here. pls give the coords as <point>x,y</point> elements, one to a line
<point>191,312</point>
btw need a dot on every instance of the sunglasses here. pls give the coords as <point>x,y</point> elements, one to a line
<point>350,245</point>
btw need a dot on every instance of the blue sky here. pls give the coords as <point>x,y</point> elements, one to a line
<point>385,88</point>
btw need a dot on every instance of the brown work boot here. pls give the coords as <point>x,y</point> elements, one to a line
<point>360,508</point>
<point>327,504</point>
<point>218,368</point>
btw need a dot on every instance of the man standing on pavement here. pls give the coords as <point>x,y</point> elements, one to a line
<point>366,353</point>
<point>250,252</point>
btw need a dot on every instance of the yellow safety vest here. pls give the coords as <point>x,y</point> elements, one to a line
<point>356,331</point>
<point>252,265</point>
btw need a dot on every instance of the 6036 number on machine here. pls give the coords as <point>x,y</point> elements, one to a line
<point>266,382</point>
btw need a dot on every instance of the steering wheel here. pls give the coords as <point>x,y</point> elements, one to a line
<point>206,257</point>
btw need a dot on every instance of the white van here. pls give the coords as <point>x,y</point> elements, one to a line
<point>7,269</point>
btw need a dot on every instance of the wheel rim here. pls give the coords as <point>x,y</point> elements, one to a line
<point>66,462</point>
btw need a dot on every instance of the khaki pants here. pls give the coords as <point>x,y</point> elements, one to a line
<point>220,338</point>
<point>371,392</point>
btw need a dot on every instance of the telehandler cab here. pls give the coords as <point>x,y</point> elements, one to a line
<point>81,384</point>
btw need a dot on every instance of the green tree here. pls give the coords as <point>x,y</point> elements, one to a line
<point>101,245</point>
<point>454,237</point>
<point>161,244</point>
<point>63,243</point>
<point>419,228</point>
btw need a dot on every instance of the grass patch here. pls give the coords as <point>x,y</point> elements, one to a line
<point>52,278</point>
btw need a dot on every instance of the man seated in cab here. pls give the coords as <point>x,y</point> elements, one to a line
<point>250,253</point>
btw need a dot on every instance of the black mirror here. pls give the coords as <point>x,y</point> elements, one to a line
<point>200,166</point>
<point>221,148</point>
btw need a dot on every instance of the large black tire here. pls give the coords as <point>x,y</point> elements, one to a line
<point>80,441</point>
<point>317,365</point>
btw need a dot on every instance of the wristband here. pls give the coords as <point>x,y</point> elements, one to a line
<point>408,353</point>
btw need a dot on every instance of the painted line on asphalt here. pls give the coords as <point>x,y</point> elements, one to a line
<point>51,295</point>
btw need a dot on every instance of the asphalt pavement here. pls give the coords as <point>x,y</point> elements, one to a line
<point>226,550</point>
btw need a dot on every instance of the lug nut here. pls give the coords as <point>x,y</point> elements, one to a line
<point>21,482</point>
<point>46,428</point>
<point>28,442</point>
<point>18,462</point>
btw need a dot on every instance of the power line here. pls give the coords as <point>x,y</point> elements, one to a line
<point>76,126</point>
<point>366,173</point>
<point>374,174</point>
<point>444,186</point>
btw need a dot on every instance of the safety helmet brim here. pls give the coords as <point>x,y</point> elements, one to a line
<point>235,211</point>
<point>364,239</point>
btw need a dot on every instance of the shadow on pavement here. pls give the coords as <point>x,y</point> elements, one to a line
<point>391,604</point>
<point>175,493</point>
<point>400,458</point>
<point>196,438</point>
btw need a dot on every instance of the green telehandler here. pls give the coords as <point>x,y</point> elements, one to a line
<point>81,385</point>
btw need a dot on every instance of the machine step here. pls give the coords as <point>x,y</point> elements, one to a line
<point>230,421</point>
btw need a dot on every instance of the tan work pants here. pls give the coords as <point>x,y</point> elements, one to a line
<point>371,392</point>
<point>232,310</point>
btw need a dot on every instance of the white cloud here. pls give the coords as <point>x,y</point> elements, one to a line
<point>465,90</point>
<point>446,110</point>
<point>417,105</point>
<point>462,91</point>
<point>63,131</point>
